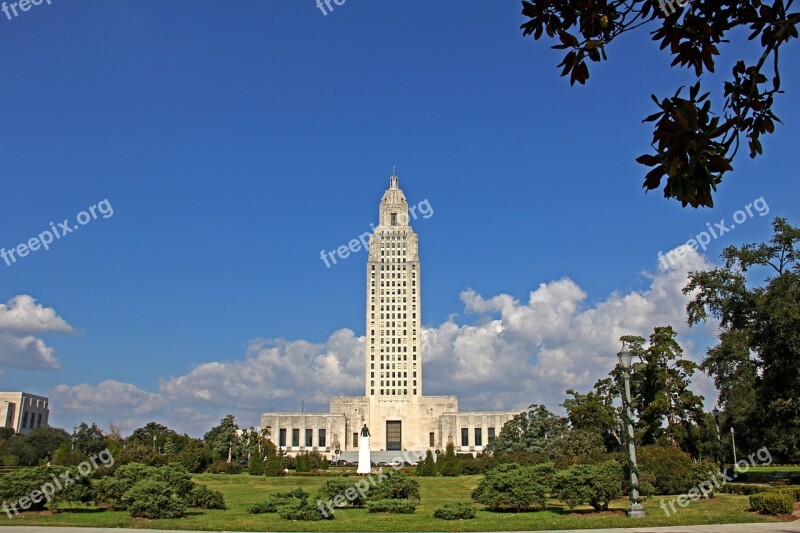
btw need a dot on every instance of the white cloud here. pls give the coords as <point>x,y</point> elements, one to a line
<point>514,353</point>
<point>21,317</point>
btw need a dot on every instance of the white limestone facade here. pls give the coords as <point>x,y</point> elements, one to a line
<point>23,412</point>
<point>399,417</point>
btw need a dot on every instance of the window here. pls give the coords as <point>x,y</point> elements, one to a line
<point>282,437</point>
<point>431,439</point>
<point>309,437</point>
<point>465,436</point>
<point>491,434</point>
<point>355,440</point>
<point>39,421</point>
<point>478,437</point>
<point>321,438</point>
<point>295,437</point>
<point>24,419</point>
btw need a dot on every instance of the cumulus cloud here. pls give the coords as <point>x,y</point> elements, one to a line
<point>509,354</point>
<point>20,318</point>
<point>523,352</point>
<point>274,375</point>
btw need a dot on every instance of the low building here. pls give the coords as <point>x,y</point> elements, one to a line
<point>23,412</point>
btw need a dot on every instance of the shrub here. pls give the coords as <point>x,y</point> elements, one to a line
<point>202,497</point>
<point>153,499</point>
<point>23,481</point>
<point>112,488</point>
<point>292,498</point>
<point>775,502</point>
<point>593,484</point>
<point>334,487</point>
<point>176,476</point>
<point>512,486</point>
<point>471,465</point>
<point>222,467</point>
<point>665,470</point>
<point>391,506</point>
<point>792,490</point>
<point>305,510</point>
<point>455,511</point>
<point>396,486</point>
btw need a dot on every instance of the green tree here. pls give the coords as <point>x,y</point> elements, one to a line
<point>693,146</point>
<point>576,446</point>
<point>43,442</point>
<point>427,467</point>
<point>668,411</point>
<point>595,412</point>
<point>756,364</point>
<point>223,439</point>
<point>449,465</point>
<point>89,440</point>
<point>529,431</point>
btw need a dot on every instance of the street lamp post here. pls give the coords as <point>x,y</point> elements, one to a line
<point>715,412</point>
<point>74,431</point>
<point>733,444</point>
<point>636,510</point>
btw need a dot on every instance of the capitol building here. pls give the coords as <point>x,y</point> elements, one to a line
<point>398,415</point>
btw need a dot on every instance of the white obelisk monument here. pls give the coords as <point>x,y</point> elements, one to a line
<point>364,464</point>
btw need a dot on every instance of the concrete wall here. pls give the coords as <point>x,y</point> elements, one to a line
<point>23,412</point>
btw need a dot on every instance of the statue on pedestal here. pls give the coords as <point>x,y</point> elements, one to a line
<point>364,463</point>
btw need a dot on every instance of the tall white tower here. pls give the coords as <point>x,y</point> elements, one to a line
<point>394,331</point>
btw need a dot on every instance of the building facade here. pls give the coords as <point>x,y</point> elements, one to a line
<point>23,412</point>
<point>399,417</point>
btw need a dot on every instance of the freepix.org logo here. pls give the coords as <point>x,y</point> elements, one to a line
<point>56,231</point>
<point>10,10</point>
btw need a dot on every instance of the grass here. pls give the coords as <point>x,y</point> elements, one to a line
<point>242,490</point>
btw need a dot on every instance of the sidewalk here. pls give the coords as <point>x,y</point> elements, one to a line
<point>774,527</point>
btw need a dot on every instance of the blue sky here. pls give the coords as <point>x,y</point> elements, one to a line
<point>237,140</point>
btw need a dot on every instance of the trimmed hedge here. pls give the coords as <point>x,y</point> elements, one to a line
<point>774,503</point>
<point>391,506</point>
<point>743,489</point>
<point>455,511</point>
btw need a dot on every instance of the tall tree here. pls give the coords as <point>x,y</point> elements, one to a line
<point>756,364</point>
<point>668,411</point>
<point>224,439</point>
<point>693,145</point>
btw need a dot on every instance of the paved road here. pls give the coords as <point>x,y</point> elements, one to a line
<point>772,527</point>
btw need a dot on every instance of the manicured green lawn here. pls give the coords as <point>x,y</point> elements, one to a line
<point>242,490</point>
